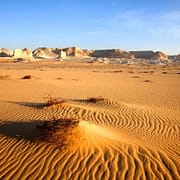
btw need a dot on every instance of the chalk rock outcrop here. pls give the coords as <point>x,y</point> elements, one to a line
<point>160,56</point>
<point>46,53</point>
<point>23,54</point>
<point>55,53</point>
<point>5,52</point>
<point>75,51</point>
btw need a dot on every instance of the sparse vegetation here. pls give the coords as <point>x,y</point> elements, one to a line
<point>95,99</point>
<point>59,78</point>
<point>117,71</point>
<point>147,80</point>
<point>4,77</point>
<point>56,124</point>
<point>57,131</point>
<point>51,100</point>
<point>135,77</point>
<point>27,77</point>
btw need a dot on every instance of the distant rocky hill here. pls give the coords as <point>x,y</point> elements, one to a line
<point>18,54</point>
<point>23,54</point>
<point>177,57</point>
<point>46,53</point>
<point>54,53</point>
<point>150,55</point>
<point>114,55</point>
<point>5,52</point>
<point>75,51</point>
<point>160,55</point>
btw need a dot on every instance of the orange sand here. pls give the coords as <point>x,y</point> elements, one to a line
<point>133,134</point>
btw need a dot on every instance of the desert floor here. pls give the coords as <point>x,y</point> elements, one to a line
<point>133,133</point>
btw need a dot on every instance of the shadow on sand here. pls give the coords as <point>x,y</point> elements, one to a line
<point>62,132</point>
<point>26,130</point>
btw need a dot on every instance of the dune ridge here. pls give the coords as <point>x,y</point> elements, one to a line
<point>130,133</point>
<point>113,142</point>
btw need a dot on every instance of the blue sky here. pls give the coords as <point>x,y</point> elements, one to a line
<point>91,24</point>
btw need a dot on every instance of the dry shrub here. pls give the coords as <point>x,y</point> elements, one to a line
<point>147,80</point>
<point>59,78</point>
<point>51,100</point>
<point>62,132</point>
<point>27,77</point>
<point>178,73</point>
<point>117,71</point>
<point>164,72</point>
<point>135,77</point>
<point>95,99</point>
<point>56,124</point>
<point>4,77</point>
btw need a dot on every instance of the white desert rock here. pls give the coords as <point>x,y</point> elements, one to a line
<point>24,54</point>
<point>5,52</point>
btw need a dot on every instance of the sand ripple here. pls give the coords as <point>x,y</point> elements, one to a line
<point>117,141</point>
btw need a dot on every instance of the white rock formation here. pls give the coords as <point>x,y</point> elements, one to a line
<point>5,52</point>
<point>23,54</point>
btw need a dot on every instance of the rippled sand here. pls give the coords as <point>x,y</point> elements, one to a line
<point>133,133</point>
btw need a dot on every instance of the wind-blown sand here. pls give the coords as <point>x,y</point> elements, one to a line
<point>134,133</point>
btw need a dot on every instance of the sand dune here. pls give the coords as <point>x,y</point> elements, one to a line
<point>116,138</point>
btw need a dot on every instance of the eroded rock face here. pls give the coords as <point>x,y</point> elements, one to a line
<point>23,54</point>
<point>46,53</point>
<point>178,57</point>
<point>150,55</point>
<point>143,54</point>
<point>160,55</point>
<point>75,51</point>
<point>112,53</point>
<point>62,54</point>
<point>5,52</point>
<point>55,53</point>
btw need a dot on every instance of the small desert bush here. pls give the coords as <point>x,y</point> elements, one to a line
<point>57,124</point>
<point>147,80</point>
<point>51,100</point>
<point>58,131</point>
<point>4,77</point>
<point>135,77</point>
<point>27,77</point>
<point>95,99</point>
<point>59,78</point>
<point>117,71</point>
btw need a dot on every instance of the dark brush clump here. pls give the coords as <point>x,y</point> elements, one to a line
<point>147,80</point>
<point>61,132</point>
<point>27,77</point>
<point>95,99</point>
<point>51,101</point>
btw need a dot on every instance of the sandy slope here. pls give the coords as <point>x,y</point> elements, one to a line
<point>133,134</point>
